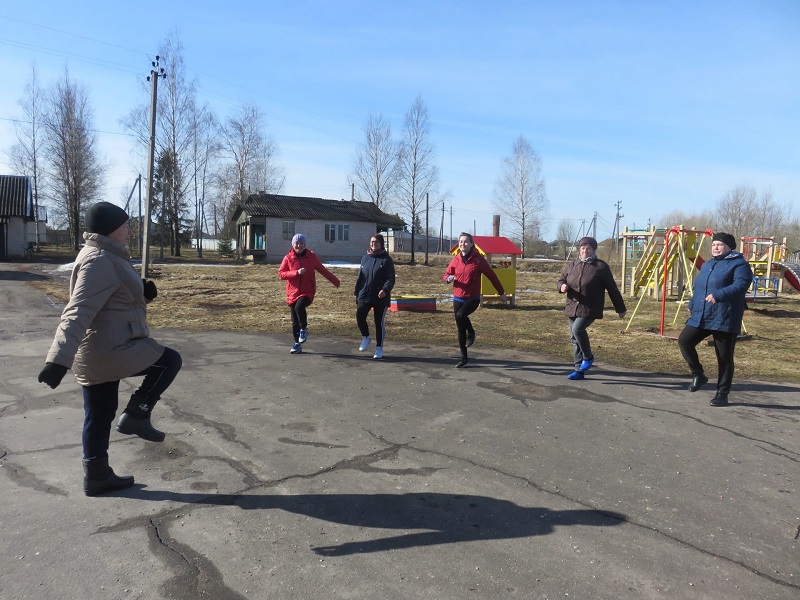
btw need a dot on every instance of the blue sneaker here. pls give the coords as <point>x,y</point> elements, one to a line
<point>296,348</point>
<point>576,375</point>
<point>586,365</point>
<point>302,336</point>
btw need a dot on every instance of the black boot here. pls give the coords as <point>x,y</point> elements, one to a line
<point>98,477</point>
<point>136,420</point>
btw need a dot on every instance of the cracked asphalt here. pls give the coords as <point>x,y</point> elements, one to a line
<point>331,475</point>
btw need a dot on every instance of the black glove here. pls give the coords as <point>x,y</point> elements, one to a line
<point>150,290</point>
<point>52,374</point>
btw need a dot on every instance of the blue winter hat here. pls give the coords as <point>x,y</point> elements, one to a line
<point>298,237</point>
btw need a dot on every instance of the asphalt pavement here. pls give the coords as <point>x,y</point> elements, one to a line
<point>332,475</point>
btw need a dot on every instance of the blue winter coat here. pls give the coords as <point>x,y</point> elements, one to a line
<point>727,277</point>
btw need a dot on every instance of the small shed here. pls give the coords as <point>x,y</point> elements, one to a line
<point>504,252</point>
<point>18,217</point>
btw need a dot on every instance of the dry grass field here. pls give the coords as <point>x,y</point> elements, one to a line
<point>229,296</point>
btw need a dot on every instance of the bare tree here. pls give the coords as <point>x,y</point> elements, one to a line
<point>26,155</point>
<point>520,191</point>
<point>565,238</point>
<point>175,124</point>
<point>205,149</point>
<point>249,157</point>
<point>696,220</point>
<point>76,172</point>
<point>375,171</point>
<point>742,212</point>
<point>418,174</point>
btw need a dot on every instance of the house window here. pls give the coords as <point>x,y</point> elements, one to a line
<point>335,231</point>
<point>288,229</point>
<point>258,237</point>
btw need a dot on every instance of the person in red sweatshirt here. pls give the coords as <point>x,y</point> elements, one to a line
<point>298,268</point>
<point>464,272</point>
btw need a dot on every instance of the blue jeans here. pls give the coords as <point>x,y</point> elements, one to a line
<point>100,402</point>
<point>581,348</point>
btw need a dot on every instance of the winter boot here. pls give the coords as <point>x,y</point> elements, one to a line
<point>98,477</point>
<point>136,420</point>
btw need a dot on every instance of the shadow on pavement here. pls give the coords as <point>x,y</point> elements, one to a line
<point>21,276</point>
<point>446,518</point>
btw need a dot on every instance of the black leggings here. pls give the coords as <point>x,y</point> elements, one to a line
<point>299,316</point>
<point>462,311</point>
<point>379,313</point>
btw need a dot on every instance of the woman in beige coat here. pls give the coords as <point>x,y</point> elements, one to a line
<point>103,337</point>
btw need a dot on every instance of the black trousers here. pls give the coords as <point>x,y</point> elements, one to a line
<point>299,316</point>
<point>379,314</point>
<point>100,402</point>
<point>724,343</point>
<point>462,311</point>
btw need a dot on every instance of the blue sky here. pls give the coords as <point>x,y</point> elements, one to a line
<point>659,105</point>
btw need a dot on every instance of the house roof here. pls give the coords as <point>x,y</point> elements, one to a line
<point>488,244</point>
<point>315,209</point>
<point>16,196</point>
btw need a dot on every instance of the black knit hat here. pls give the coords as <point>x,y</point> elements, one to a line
<point>725,238</point>
<point>590,241</point>
<point>104,218</point>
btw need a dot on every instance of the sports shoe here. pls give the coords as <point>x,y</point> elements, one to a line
<point>365,340</point>
<point>296,348</point>
<point>576,375</point>
<point>302,336</point>
<point>586,364</point>
<point>471,338</point>
<point>378,352</point>
<point>462,362</point>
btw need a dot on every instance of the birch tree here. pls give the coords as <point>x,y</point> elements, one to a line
<point>375,172</point>
<point>520,191</point>
<point>418,174</point>
<point>26,156</point>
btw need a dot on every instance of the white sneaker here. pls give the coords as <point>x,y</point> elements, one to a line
<point>378,352</point>
<point>365,340</point>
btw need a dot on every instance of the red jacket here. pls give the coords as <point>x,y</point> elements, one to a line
<point>305,284</point>
<point>467,282</point>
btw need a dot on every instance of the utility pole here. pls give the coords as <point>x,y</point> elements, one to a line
<point>615,234</point>
<point>138,182</point>
<point>441,232</point>
<point>155,74</point>
<point>427,226</point>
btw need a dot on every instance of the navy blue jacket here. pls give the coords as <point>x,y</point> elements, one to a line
<point>375,274</point>
<point>727,277</point>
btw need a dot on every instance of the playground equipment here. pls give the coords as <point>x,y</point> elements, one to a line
<point>488,246</point>
<point>770,267</point>
<point>664,259</point>
<point>666,266</point>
